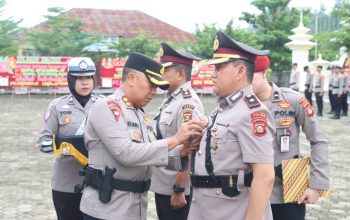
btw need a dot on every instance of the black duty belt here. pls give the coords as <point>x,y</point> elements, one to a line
<point>335,87</point>
<point>292,84</point>
<point>228,184</point>
<point>105,183</point>
<point>317,86</point>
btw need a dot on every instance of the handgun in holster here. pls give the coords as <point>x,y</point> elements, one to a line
<point>105,192</point>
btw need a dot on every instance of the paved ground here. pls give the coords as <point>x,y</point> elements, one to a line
<point>26,172</point>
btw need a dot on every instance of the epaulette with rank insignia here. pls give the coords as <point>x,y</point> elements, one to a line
<point>252,101</point>
<point>186,93</point>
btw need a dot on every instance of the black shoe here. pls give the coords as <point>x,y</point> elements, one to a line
<point>319,114</point>
<point>344,114</point>
<point>335,117</point>
<point>331,113</point>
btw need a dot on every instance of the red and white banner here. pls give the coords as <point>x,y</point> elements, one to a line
<point>25,71</point>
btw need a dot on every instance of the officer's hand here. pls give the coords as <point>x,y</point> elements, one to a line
<point>310,196</point>
<point>178,200</point>
<point>189,129</point>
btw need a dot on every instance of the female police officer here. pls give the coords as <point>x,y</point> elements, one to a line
<point>65,117</point>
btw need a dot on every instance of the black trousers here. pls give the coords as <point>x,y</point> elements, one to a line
<point>88,217</point>
<point>67,205</point>
<point>166,212</point>
<point>337,104</point>
<point>288,211</point>
<point>319,101</point>
<point>308,96</point>
<point>344,103</point>
<point>331,100</point>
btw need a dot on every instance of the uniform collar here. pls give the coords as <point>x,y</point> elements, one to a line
<point>120,95</point>
<point>276,95</point>
<point>235,96</point>
<point>183,87</point>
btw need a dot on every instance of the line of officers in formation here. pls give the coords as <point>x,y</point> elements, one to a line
<point>216,167</point>
<point>338,88</point>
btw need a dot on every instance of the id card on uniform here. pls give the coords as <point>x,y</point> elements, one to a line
<point>284,143</point>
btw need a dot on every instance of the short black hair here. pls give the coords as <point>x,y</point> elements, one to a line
<point>319,66</point>
<point>125,72</point>
<point>306,68</point>
<point>295,64</point>
<point>250,69</point>
<point>187,69</point>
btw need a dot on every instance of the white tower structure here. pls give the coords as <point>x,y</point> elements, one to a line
<point>300,45</point>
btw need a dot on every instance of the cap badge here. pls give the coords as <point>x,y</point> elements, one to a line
<point>161,52</point>
<point>216,43</point>
<point>83,65</point>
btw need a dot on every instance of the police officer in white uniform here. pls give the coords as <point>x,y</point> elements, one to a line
<point>234,173</point>
<point>180,105</point>
<point>291,111</point>
<point>66,116</point>
<point>294,77</point>
<point>337,91</point>
<point>122,146</point>
<point>319,84</point>
<point>309,84</point>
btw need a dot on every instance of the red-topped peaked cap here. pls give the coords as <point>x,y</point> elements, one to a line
<point>227,49</point>
<point>170,56</point>
<point>262,63</point>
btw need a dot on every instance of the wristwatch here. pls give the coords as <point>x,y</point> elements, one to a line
<point>177,188</point>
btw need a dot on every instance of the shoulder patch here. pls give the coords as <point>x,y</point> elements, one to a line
<point>252,101</point>
<point>276,95</point>
<point>235,97</point>
<point>186,93</point>
<point>115,109</point>
<point>259,123</point>
<point>187,106</point>
<point>47,114</point>
<point>307,106</point>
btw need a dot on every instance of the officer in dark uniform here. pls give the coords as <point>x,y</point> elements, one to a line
<point>180,105</point>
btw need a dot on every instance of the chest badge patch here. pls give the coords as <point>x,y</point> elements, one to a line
<point>66,120</point>
<point>285,105</point>
<point>259,123</point>
<point>286,122</point>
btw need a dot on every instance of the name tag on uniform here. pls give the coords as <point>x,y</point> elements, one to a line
<point>284,143</point>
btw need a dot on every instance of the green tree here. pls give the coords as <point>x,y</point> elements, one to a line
<point>273,26</point>
<point>8,32</point>
<point>342,36</point>
<point>60,36</point>
<point>205,38</point>
<point>141,43</point>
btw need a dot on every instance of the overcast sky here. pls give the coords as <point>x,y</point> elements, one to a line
<point>184,14</point>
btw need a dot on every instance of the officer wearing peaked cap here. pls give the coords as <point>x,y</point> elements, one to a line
<point>65,117</point>
<point>233,173</point>
<point>122,147</point>
<point>291,111</point>
<point>180,105</point>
